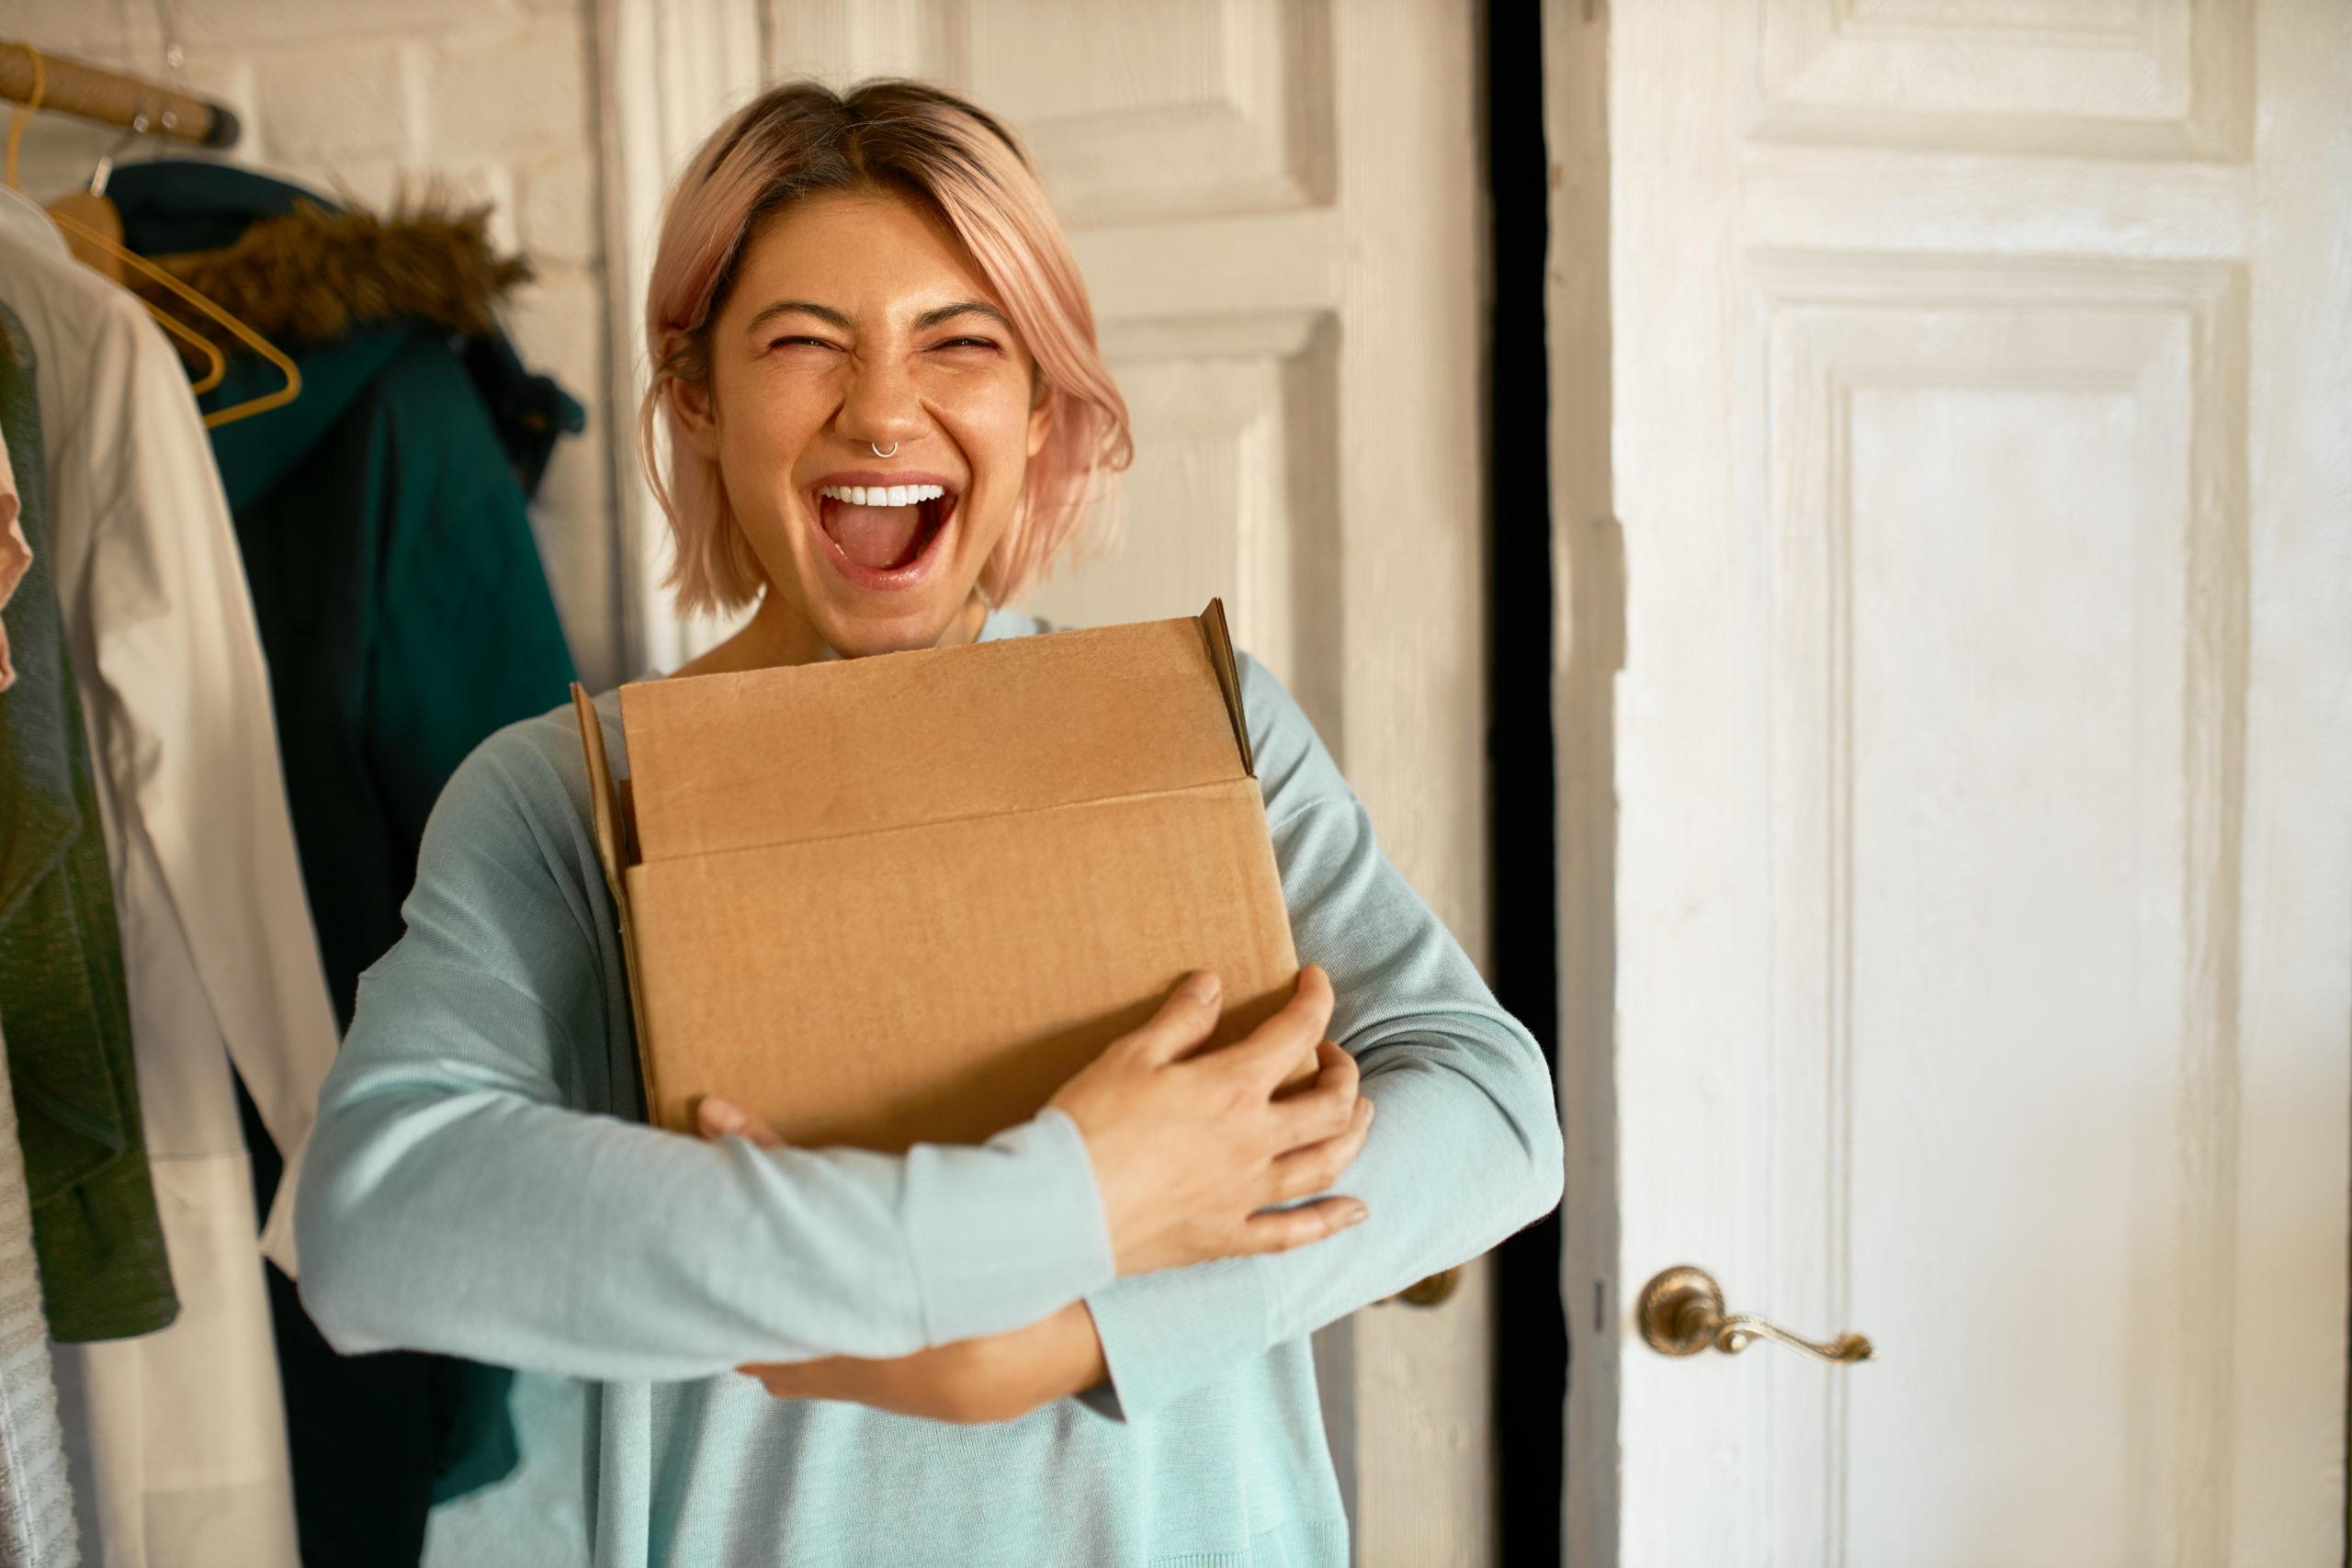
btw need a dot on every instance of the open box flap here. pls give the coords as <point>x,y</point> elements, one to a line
<point>607,808</point>
<point>1229,678</point>
<point>788,755</point>
<point>604,802</point>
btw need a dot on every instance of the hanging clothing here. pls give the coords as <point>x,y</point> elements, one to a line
<point>30,223</point>
<point>179,1436</point>
<point>398,592</point>
<point>104,1271</point>
<point>380,518</point>
<point>313,277</point>
<point>36,1499</point>
<point>37,1526</point>
<point>16,555</point>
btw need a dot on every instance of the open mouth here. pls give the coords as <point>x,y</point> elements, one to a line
<point>884,529</point>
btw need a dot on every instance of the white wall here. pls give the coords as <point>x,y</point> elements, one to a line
<point>496,95</point>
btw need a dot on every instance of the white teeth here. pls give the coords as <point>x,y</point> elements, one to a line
<point>884,495</point>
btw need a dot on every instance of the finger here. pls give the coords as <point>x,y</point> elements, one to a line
<point>1329,1057</point>
<point>1325,1107</point>
<point>1279,1230</point>
<point>1315,1166</point>
<point>717,1118</point>
<point>1265,1055</point>
<point>1184,1021</point>
<point>1336,1065</point>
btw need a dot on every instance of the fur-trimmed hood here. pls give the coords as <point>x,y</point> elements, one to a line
<point>338,290</point>
<point>314,275</point>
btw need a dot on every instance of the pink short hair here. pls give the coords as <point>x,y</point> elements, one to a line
<point>909,138</point>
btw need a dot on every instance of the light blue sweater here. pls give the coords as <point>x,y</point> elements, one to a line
<point>481,1182</point>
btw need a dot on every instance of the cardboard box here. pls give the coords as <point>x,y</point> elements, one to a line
<point>904,898</point>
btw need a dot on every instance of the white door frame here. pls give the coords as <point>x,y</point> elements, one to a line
<point>667,71</point>
<point>1589,643</point>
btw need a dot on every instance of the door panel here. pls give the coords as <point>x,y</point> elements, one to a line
<point>1989,502</point>
<point>1233,492</point>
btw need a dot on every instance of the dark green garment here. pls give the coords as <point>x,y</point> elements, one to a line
<point>405,615</point>
<point>63,1005</point>
<point>396,583</point>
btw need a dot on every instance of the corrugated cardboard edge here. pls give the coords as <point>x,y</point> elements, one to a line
<point>1228,677</point>
<point>1220,638</point>
<point>606,807</point>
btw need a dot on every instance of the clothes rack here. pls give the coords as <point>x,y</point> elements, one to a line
<point>109,97</point>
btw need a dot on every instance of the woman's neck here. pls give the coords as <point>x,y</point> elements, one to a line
<point>776,636</point>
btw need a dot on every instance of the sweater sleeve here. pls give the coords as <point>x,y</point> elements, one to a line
<point>457,1197</point>
<point>1466,1148</point>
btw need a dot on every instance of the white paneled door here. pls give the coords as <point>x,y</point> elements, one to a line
<point>1980,414</point>
<point>1278,209</point>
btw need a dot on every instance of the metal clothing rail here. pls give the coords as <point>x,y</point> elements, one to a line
<point>109,97</point>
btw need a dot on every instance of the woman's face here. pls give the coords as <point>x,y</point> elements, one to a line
<point>858,321</point>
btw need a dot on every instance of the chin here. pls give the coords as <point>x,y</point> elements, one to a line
<point>855,633</point>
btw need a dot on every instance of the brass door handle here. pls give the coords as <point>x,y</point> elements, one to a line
<point>1682,1313</point>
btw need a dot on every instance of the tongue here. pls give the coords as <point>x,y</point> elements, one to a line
<point>879,537</point>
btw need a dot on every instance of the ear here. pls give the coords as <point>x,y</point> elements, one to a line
<point>1041,418</point>
<point>698,417</point>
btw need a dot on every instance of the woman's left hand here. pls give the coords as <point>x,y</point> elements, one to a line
<point>996,1377</point>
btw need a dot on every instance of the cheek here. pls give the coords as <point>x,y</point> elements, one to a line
<point>769,417</point>
<point>991,424</point>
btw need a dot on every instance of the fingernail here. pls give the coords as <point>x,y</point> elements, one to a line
<point>723,1116</point>
<point>1203,987</point>
<point>1350,1213</point>
<point>1370,1109</point>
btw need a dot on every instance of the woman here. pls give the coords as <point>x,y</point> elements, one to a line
<point>1084,1342</point>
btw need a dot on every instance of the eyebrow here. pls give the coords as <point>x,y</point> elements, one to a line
<point>923,322</point>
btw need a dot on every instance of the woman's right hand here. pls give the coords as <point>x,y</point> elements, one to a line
<point>1187,1152</point>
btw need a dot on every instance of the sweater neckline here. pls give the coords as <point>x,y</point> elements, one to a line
<point>997,623</point>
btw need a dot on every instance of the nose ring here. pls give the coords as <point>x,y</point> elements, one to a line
<point>880,453</point>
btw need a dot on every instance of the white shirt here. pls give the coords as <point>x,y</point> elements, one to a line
<point>178,1437</point>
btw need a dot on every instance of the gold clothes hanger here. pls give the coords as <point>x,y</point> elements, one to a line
<point>77,229</point>
<point>92,209</point>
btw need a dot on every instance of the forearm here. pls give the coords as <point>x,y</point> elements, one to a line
<point>1058,1357</point>
<point>1466,1147</point>
<point>443,1209</point>
<point>1446,1173</point>
<point>1457,1160</point>
<point>999,1377</point>
<point>1177,1326</point>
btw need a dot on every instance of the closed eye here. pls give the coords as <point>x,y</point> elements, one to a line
<point>820,343</point>
<point>974,342</point>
